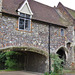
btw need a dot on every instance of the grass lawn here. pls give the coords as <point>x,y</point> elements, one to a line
<point>69,71</point>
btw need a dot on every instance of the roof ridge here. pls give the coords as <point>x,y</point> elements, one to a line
<point>65,9</point>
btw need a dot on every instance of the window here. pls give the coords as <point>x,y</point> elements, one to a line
<point>62,32</point>
<point>24,22</point>
<point>68,44</point>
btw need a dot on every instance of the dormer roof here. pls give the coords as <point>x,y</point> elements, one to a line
<point>25,8</point>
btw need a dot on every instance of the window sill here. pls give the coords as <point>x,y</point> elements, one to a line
<point>24,30</point>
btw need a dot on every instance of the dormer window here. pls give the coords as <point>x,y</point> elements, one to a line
<point>25,14</point>
<point>24,22</point>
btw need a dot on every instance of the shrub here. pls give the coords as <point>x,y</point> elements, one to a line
<point>2,60</point>
<point>11,61</point>
<point>58,67</point>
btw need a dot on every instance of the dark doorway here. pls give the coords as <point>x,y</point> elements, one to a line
<point>62,55</point>
<point>31,61</point>
<point>23,60</point>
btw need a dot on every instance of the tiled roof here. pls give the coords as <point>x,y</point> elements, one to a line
<point>66,13</point>
<point>10,6</point>
<point>72,12</point>
<point>40,11</point>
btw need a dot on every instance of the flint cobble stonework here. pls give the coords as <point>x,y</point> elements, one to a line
<point>36,38</point>
<point>56,39</point>
<point>69,34</point>
<point>10,36</point>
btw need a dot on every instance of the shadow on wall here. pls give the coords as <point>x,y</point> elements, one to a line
<point>34,62</point>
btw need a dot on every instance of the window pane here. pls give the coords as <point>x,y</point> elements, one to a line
<point>21,23</point>
<point>27,24</point>
<point>62,32</point>
<point>28,16</point>
<point>22,15</point>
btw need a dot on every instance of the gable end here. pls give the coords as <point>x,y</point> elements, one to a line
<point>25,8</point>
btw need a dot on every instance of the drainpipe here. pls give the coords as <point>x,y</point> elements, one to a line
<point>49,51</point>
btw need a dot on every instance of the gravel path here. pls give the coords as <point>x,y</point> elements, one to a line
<point>19,73</point>
<point>26,73</point>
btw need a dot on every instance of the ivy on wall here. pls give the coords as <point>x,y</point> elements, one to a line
<point>9,60</point>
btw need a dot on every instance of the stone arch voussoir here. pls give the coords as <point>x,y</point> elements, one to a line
<point>65,50</point>
<point>31,49</point>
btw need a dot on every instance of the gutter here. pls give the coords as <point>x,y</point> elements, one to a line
<point>10,14</point>
<point>35,20</point>
<point>49,23</point>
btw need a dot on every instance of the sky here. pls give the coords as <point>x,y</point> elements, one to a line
<point>52,3</point>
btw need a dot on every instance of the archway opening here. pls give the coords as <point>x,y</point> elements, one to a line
<point>34,62</point>
<point>62,55</point>
<point>29,61</point>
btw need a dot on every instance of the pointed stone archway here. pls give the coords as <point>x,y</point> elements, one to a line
<point>62,52</point>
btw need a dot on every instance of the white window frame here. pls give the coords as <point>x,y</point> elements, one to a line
<point>24,23</point>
